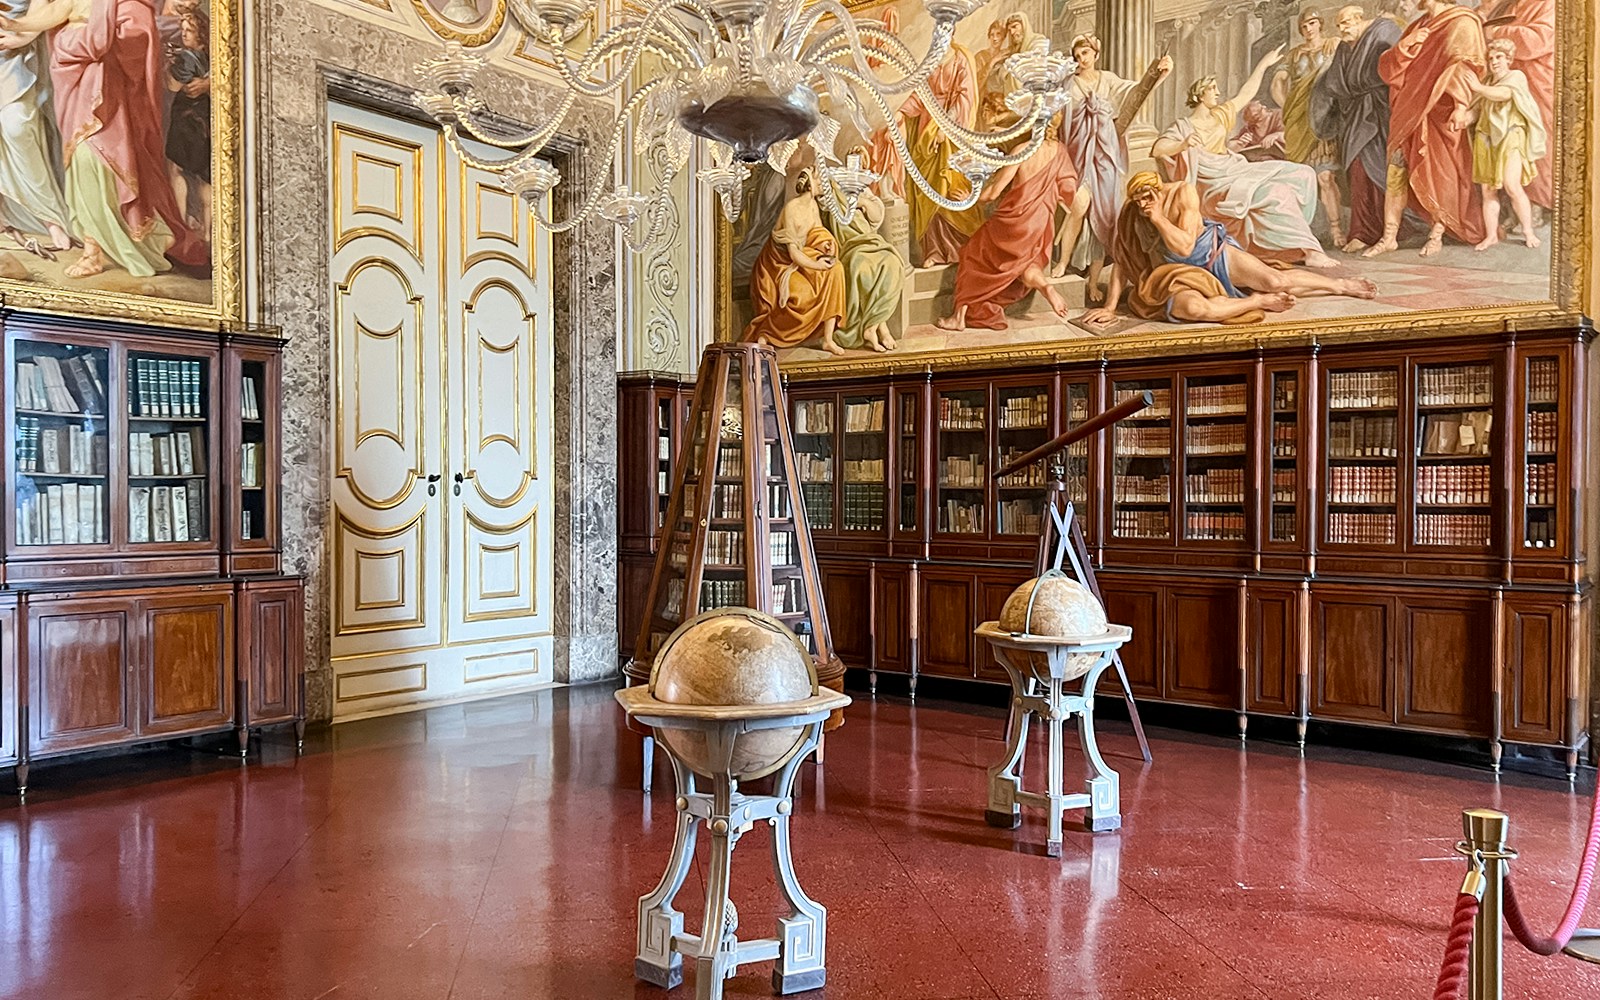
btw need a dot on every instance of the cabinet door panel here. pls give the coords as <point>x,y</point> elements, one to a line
<point>1273,647</point>
<point>1353,658</point>
<point>891,619</point>
<point>847,593</point>
<point>992,593</point>
<point>1448,657</point>
<point>10,743</point>
<point>947,624</point>
<point>188,647</point>
<point>81,695</point>
<point>1137,608</point>
<point>270,643</point>
<point>1203,662</point>
<point>1535,683</point>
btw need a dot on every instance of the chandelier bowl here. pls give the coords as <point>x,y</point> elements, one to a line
<point>752,120</point>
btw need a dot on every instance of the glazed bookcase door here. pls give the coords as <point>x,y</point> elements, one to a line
<point>815,440</point>
<point>1216,458</point>
<point>169,450</point>
<point>61,396</point>
<point>252,411</point>
<point>1456,485</point>
<point>962,426</point>
<point>1142,465</point>
<point>1542,500</point>
<point>1023,418</point>
<point>864,463</point>
<point>1284,522</point>
<point>1364,438</point>
<point>909,493</point>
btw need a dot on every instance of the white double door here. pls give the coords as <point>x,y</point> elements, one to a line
<point>440,527</point>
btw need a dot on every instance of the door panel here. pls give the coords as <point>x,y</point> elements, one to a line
<point>1536,658</point>
<point>443,349</point>
<point>1448,655</point>
<point>1274,644</point>
<point>1137,608</point>
<point>81,693</point>
<point>847,593</point>
<point>188,654</point>
<point>387,531</point>
<point>947,624</point>
<point>1203,625</point>
<point>1354,657</point>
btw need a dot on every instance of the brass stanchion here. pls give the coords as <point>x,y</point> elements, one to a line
<point>1485,848</point>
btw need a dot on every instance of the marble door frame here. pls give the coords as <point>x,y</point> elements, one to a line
<point>305,56</point>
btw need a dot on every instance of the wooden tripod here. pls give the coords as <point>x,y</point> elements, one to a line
<point>1061,543</point>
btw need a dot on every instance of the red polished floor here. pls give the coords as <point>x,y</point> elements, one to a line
<point>497,850</point>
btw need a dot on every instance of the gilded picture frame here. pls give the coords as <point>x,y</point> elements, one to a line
<point>1571,229</point>
<point>205,293</point>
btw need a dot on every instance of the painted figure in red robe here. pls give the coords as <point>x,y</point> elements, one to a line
<point>1007,257</point>
<point>1429,72</point>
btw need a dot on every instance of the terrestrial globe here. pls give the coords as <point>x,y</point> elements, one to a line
<point>733,658</point>
<point>1062,608</point>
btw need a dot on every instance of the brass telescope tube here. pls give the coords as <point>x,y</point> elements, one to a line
<point>1486,832</point>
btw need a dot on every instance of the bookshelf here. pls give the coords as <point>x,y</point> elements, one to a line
<point>908,462</point>
<point>814,434</point>
<point>1455,453</point>
<point>60,440</point>
<point>864,451</point>
<point>1141,464</point>
<point>1215,457</point>
<point>1543,420</point>
<point>142,491</point>
<point>1023,421</point>
<point>1284,445</point>
<point>1363,439</point>
<point>1344,597</point>
<point>962,435</point>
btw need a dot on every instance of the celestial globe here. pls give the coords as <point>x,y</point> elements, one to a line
<point>1062,608</point>
<point>734,657</point>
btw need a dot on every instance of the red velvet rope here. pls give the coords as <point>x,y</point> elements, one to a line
<point>1457,949</point>
<point>1575,907</point>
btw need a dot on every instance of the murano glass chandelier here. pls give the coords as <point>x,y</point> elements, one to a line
<point>750,79</point>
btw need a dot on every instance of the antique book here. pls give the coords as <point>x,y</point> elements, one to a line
<point>161,514</point>
<point>199,530</point>
<point>180,514</point>
<point>139,514</point>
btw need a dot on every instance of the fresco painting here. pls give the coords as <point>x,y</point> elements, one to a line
<point>108,158</point>
<point>1343,161</point>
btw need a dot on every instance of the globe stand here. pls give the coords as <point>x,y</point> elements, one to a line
<point>1039,688</point>
<point>728,813</point>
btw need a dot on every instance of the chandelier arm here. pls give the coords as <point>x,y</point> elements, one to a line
<point>965,137</point>
<point>658,212</point>
<point>455,140</point>
<point>522,142</point>
<point>603,169</point>
<point>647,35</point>
<point>976,145</point>
<point>898,138</point>
<point>848,34</point>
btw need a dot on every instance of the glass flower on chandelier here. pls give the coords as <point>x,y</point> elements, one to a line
<point>750,79</point>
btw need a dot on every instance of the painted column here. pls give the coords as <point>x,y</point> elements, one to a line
<point>1127,30</point>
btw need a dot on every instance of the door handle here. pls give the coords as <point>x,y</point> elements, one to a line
<point>433,489</point>
<point>457,487</point>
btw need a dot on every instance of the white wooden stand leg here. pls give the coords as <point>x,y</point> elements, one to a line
<point>648,763</point>
<point>802,936</point>
<point>1058,802</point>
<point>657,962</point>
<point>1005,778</point>
<point>1104,811</point>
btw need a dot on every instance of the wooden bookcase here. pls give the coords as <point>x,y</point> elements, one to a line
<point>1305,532</point>
<point>140,554</point>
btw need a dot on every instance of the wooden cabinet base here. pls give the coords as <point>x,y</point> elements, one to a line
<point>88,668</point>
